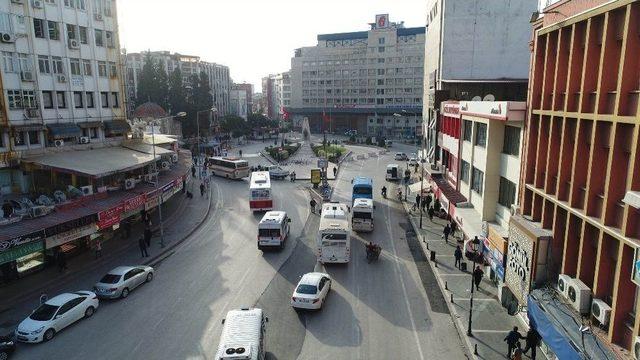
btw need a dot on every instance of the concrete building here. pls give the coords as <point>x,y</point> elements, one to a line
<point>282,86</point>
<point>248,89</point>
<point>580,184</point>
<point>474,49</point>
<point>358,80</point>
<point>239,103</point>
<point>269,99</point>
<point>218,75</point>
<point>258,105</point>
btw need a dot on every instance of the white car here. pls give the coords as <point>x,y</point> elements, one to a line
<point>56,314</point>
<point>400,156</point>
<point>312,290</point>
<point>121,280</point>
<point>413,161</point>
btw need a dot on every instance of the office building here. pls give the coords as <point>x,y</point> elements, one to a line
<point>248,89</point>
<point>239,103</point>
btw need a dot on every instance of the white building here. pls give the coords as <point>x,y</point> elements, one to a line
<point>239,103</point>
<point>219,78</point>
<point>61,78</point>
<point>358,80</point>
<point>282,83</point>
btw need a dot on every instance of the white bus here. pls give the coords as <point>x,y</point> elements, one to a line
<point>273,229</point>
<point>362,215</point>
<point>243,335</point>
<point>260,197</point>
<point>334,242</point>
<point>230,168</point>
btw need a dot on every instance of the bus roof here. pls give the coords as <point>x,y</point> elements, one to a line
<point>271,217</point>
<point>361,180</point>
<point>390,166</point>
<point>260,180</point>
<point>334,216</point>
<point>363,203</point>
<point>241,328</point>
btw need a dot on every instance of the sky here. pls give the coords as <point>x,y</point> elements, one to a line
<point>253,37</point>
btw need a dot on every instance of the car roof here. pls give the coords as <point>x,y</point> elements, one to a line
<point>312,278</point>
<point>62,299</point>
<point>121,270</point>
<point>273,216</point>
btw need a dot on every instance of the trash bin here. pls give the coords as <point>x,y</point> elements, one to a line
<point>432,255</point>
<point>463,266</point>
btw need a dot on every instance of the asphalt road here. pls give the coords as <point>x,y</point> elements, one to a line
<point>390,309</point>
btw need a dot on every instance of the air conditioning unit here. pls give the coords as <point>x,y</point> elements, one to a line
<point>86,190</point>
<point>84,140</point>
<point>563,284</point>
<point>129,184</point>
<point>61,78</point>
<point>601,311</point>
<point>74,44</point>
<point>98,17</point>
<point>7,38</point>
<point>636,348</point>
<point>579,296</point>
<point>164,165</point>
<point>38,211</point>
<point>37,4</point>
<point>58,143</point>
<point>33,113</point>
<point>174,158</point>
<point>26,76</point>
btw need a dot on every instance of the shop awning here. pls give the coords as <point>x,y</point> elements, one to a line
<point>64,130</point>
<point>28,127</point>
<point>90,124</point>
<point>159,139</point>
<point>146,148</point>
<point>452,194</point>
<point>116,127</point>
<point>94,163</point>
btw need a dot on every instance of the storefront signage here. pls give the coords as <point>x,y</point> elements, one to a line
<point>19,240</point>
<point>134,203</point>
<point>110,217</point>
<point>151,200</point>
<point>498,110</point>
<point>519,263</point>
<point>70,225</point>
<point>450,109</point>
<point>71,235</point>
<point>20,251</point>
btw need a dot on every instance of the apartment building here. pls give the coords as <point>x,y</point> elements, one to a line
<point>239,103</point>
<point>282,83</point>
<point>358,80</point>
<point>218,75</point>
<point>248,89</point>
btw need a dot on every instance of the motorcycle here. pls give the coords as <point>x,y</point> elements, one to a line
<point>373,253</point>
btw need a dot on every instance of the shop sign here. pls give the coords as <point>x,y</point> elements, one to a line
<point>151,200</point>
<point>110,217</point>
<point>71,235</point>
<point>20,251</point>
<point>23,239</point>
<point>70,225</point>
<point>519,263</point>
<point>134,203</point>
<point>315,176</point>
<point>450,109</point>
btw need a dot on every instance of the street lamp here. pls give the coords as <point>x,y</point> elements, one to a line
<point>475,243</point>
<point>198,135</point>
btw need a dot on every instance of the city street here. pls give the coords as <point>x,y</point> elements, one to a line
<point>388,309</point>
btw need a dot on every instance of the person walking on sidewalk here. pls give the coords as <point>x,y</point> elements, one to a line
<point>418,201</point>
<point>201,189</point>
<point>512,341</point>
<point>335,171</point>
<point>445,233</point>
<point>531,342</point>
<point>458,255</point>
<point>98,249</point>
<point>143,247</point>
<point>62,261</point>
<point>147,234</point>
<point>454,227</point>
<point>477,277</point>
<point>430,212</point>
<point>312,203</point>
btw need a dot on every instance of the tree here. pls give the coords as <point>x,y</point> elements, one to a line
<point>177,97</point>
<point>161,83</point>
<point>235,125</point>
<point>199,99</point>
<point>146,81</point>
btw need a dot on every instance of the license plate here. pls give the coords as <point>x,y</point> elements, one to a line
<point>24,338</point>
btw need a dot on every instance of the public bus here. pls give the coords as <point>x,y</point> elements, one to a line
<point>362,215</point>
<point>334,234</point>
<point>230,168</point>
<point>362,188</point>
<point>260,196</point>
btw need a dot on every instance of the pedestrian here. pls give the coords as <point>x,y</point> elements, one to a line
<point>477,277</point>
<point>335,171</point>
<point>126,226</point>
<point>43,298</point>
<point>98,248</point>
<point>143,247</point>
<point>458,255</point>
<point>7,209</point>
<point>428,200</point>
<point>193,170</point>
<point>445,233</point>
<point>62,261</point>
<point>423,203</point>
<point>240,152</point>
<point>418,201</point>
<point>312,203</point>
<point>454,227</point>
<point>531,342</point>
<point>201,189</point>
<point>430,212</point>
<point>147,236</point>
<point>512,340</point>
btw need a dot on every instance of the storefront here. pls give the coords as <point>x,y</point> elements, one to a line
<point>22,255</point>
<point>71,241</point>
<point>494,251</point>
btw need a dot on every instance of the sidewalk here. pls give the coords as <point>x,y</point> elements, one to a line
<point>182,216</point>
<point>490,321</point>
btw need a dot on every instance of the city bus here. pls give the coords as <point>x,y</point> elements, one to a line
<point>362,188</point>
<point>260,196</point>
<point>362,215</point>
<point>334,234</point>
<point>230,168</point>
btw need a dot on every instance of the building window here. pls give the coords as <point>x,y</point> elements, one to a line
<point>38,28</point>
<point>34,137</point>
<point>507,193</point>
<point>14,97</point>
<point>75,66</point>
<point>47,99</point>
<point>83,35</point>
<point>511,144</point>
<point>58,67</point>
<point>468,126</point>
<point>380,71</point>
<point>19,139</point>
<point>113,70</point>
<point>71,32</point>
<point>77,99</point>
<point>86,65</point>
<point>381,41</point>
<point>99,38</point>
<point>110,40</point>
<point>61,100</point>
<point>8,62</point>
<point>481,134</point>
<point>381,49</point>
<point>102,68</point>
<point>29,99</point>
<point>107,8</point>
<point>114,100</point>
<point>477,179</point>
<point>104,99</point>
<point>44,65</point>
<point>24,60</point>
<point>91,132</point>
<point>465,169</point>
<point>89,99</point>
<point>54,31</point>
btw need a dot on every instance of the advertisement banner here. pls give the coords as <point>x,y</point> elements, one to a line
<point>20,251</point>
<point>71,235</point>
<point>110,217</point>
<point>315,176</point>
<point>151,200</point>
<point>519,263</point>
<point>134,203</point>
<point>20,240</point>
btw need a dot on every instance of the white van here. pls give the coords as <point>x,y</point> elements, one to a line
<point>243,335</point>
<point>273,229</point>
<point>362,215</point>
<point>393,172</point>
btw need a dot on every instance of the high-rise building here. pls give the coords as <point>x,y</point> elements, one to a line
<point>282,85</point>
<point>474,51</point>
<point>358,80</point>
<point>218,75</point>
<point>269,96</point>
<point>61,79</point>
<point>580,185</point>
<point>248,89</point>
<point>239,103</point>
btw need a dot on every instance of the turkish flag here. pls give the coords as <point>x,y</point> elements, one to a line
<point>326,119</point>
<point>285,114</point>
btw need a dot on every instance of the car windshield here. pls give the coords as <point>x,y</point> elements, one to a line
<point>362,190</point>
<point>306,289</point>
<point>269,232</point>
<point>110,279</point>
<point>44,312</point>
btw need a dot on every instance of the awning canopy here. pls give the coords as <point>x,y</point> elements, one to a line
<point>146,148</point>
<point>159,139</point>
<point>116,127</point>
<point>90,124</point>
<point>64,130</point>
<point>452,194</point>
<point>28,127</point>
<point>95,163</point>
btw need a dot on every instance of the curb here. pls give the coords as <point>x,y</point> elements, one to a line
<point>462,334</point>
<point>269,159</point>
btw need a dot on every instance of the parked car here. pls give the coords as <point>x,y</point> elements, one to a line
<point>276,172</point>
<point>56,314</point>
<point>7,347</point>
<point>120,281</point>
<point>312,290</point>
<point>413,161</point>
<point>400,156</point>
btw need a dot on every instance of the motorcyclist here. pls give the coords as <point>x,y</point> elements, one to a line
<point>384,192</point>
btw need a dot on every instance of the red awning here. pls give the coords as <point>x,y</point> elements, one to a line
<point>447,190</point>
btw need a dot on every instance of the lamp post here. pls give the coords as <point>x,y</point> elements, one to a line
<point>475,243</point>
<point>198,136</point>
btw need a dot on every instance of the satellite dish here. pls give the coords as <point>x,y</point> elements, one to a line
<point>489,97</point>
<point>476,98</point>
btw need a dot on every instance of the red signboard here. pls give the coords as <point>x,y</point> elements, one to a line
<point>110,217</point>
<point>134,203</point>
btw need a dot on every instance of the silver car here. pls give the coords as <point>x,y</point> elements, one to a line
<point>121,280</point>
